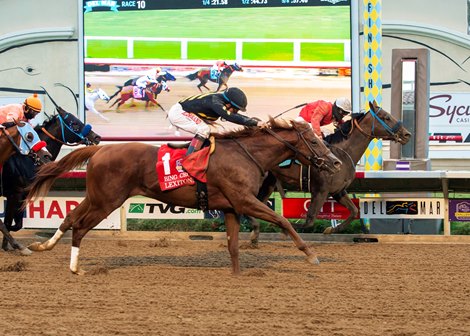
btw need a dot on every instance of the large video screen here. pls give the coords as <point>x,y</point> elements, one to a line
<point>282,53</point>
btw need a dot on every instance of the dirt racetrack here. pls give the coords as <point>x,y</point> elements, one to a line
<point>170,287</point>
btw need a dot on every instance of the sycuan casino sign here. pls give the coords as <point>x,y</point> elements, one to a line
<point>449,115</point>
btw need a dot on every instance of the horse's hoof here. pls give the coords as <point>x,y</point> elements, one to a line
<point>36,246</point>
<point>328,230</point>
<point>26,251</point>
<point>79,272</point>
<point>313,260</point>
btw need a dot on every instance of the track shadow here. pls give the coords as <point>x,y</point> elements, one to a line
<point>219,259</point>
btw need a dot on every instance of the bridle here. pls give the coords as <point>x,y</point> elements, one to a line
<point>392,131</point>
<point>64,126</point>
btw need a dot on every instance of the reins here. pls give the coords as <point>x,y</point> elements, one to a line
<point>315,160</point>
<point>249,155</point>
<point>392,131</point>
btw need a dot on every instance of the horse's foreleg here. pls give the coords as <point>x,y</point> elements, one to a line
<point>253,207</point>
<point>232,224</point>
<point>353,212</point>
<point>17,246</point>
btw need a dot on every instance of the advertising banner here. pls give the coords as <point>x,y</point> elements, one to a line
<point>459,210</point>
<point>413,208</point>
<point>449,117</point>
<point>148,208</point>
<point>298,207</point>
<point>49,213</point>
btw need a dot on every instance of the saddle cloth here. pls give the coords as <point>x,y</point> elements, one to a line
<point>137,93</point>
<point>171,174</point>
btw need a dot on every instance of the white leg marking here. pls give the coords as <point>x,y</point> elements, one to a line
<point>53,241</point>
<point>74,259</point>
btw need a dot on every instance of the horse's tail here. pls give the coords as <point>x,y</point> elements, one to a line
<point>116,93</point>
<point>48,173</point>
<point>193,76</point>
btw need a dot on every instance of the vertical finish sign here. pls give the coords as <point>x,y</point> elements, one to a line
<point>373,72</point>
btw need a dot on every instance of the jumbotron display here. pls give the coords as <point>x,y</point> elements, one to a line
<point>281,53</point>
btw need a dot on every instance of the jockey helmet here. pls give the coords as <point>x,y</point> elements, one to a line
<point>88,85</point>
<point>33,103</point>
<point>158,70</point>
<point>344,105</point>
<point>236,97</point>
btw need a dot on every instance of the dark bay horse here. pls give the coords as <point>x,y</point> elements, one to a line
<point>348,143</point>
<point>62,128</point>
<point>231,188</point>
<point>204,75</point>
<point>20,137</point>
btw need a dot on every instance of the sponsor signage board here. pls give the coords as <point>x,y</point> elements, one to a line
<point>459,210</point>
<point>298,207</point>
<point>148,208</point>
<point>414,208</point>
<point>49,213</point>
<point>449,117</point>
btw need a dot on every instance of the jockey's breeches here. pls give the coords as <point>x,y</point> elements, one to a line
<point>188,121</point>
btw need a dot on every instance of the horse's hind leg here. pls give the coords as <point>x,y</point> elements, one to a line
<point>92,218</point>
<point>64,227</point>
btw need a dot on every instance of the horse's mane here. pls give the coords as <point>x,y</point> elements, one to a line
<point>342,132</point>
<point>250,131</point>
<point>47,122</point>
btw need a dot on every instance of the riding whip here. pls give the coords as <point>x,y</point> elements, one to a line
<point>292,108</point>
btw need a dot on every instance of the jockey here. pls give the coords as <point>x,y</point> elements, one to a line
<point>88,88</point>
<point>144,81</point>
<point>193,114</point>
<point>20,164</point>
<point>322,113</point>
<point>217,68</point>
<point>26,111</point>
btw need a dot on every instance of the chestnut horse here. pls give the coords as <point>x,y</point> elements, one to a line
<point>348,143</point>
<point>127,92</point>
<point>20,137</point>
<point>231,188</point>
<point>204,75</point>
<point>59,129</point>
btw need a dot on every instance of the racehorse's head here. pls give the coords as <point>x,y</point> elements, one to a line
<point>30,144</point>
<point>322,157</point>
<point>67,129</point>
<point>385,126</point>
<point>236,67</point>
<point>166,76</point>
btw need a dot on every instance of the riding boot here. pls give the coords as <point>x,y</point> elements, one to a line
<point>196,144</point>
